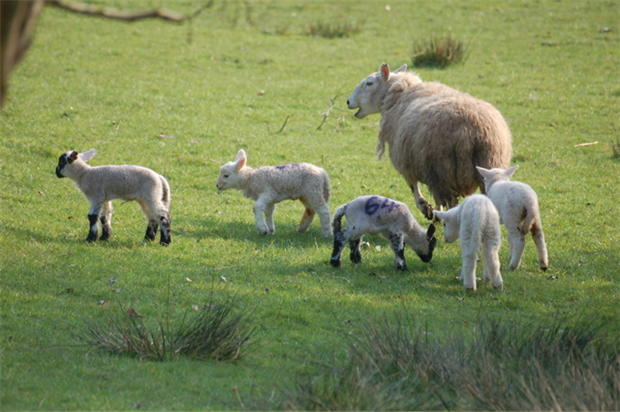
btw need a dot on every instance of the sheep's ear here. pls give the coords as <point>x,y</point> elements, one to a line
<point>385,72</point>
<point>509,172</point>
<point>86,156</point>
<point>401,68</point>
<point>430,232</point>
<point>440,214</point>
<point>241,159</point>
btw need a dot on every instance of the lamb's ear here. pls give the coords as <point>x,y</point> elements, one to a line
<point>401,69</point>
<point>430,232</point>
<point>385,72</point>
<point>86,156</point>
<point>440,214</point>
<point>484,172</point>
<point>241,159</point>
<point>72,156</point>
<point>509,172</point>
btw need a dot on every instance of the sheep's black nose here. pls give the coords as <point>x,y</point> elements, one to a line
<point>347,102</point>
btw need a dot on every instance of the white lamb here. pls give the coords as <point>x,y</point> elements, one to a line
<point>381,215</point>
<point>269,185</point>
<point>102,184</point>
<point>517,205</point>
<point>476,222</point>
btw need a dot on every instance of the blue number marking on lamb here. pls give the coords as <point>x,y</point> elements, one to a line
<point>376,203</point>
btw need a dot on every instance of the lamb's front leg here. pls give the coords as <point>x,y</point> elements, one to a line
<point>398,247</point>
<point>93,219</point>
<point>260,207</point>
<point>269,211</point>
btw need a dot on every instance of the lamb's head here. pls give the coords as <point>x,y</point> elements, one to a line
<point>451,223</point>
<point>229,173</point>
<point>495,175</point>
<point>67,159</point>
<point>431,242</point>
<point>368,95</point>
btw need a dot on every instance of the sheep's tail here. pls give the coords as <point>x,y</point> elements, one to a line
<point>165,196</point>
<point>530,217</point>
<point>337,219</point>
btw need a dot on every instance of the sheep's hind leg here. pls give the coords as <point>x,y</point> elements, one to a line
<point>339,242</point>
<point>490,260</point>
<point>398,247</point>
<point>518,245</point>
<point>105,217</point>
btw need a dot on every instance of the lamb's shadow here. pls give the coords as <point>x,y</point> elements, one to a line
<point>210,227</point>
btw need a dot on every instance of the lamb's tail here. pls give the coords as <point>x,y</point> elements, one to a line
<point>337,219</point>
<point>165,196</point>
<point>529,218</point>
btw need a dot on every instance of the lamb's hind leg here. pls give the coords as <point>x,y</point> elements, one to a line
<point>340,240</point>
<point>490,259</point>
<point>105,217</point>
<point>420,201</point>
<point>356,250</point>
<point>517,241</point>
<point>164,224</point>
<point>307,217</point>
<point>539,240</point>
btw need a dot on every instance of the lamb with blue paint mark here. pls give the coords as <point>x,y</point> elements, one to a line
<point>269,185</point>
<point>102,184</point>
<point>384,216</point>
<point>517,204</point>
<point>476,223</point>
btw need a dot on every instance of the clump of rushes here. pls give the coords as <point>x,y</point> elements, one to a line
<point>215,332</point>
<point>439,52</point>
<point>331,29</point>
<point>505,365</point>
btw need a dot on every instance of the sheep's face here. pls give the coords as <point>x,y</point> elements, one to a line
<point>367,96</point>
<point>64,161</point>
<point>229,178</point>
<point>432,241</point>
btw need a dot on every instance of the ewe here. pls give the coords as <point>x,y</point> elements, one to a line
<point>476,222</point>
<point>380,215</point>
<point>437,135</point>
<point>517,205</point>
<point>269,185</point>
<point>102,184</point>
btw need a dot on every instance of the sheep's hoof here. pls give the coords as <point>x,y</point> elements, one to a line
<point>402,268</point>
<point>500,286</point>
<point>91,238</point>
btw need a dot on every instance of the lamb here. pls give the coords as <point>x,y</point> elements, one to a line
<point>381,215</point>
<point>102,184</point>
<point>436,135</point>
<point>269,185</point>
<point>476,223</point>
<point>517,205</point>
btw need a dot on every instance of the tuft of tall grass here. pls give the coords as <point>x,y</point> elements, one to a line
<point>213,333</point>
<point>439,52</point>
<point>395,365</point>
<point>331,29</point>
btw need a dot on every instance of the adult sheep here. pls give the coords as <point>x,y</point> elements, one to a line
<point>436,135</point>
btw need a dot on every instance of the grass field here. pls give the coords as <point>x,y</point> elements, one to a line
<point>245,74</point>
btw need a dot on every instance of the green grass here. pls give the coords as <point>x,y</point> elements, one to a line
<point>95,83</point>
